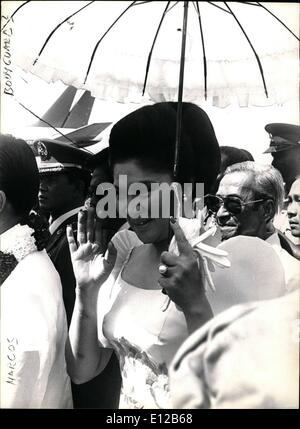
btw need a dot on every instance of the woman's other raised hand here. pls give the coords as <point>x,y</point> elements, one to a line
<point>89,264</point>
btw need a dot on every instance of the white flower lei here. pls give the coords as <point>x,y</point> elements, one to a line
<point>18,241</point>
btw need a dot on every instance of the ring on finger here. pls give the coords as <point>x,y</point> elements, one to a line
<point>163,269</point>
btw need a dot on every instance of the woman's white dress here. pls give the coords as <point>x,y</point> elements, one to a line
<point>144,328</point>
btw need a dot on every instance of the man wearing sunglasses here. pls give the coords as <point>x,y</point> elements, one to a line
<point>246,201</point>
<point>248,197</point>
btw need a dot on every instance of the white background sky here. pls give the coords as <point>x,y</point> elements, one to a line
<point>234,126</point>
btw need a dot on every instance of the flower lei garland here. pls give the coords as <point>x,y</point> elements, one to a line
<point>15,244</point>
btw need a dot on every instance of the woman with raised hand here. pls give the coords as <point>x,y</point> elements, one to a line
<point>119,300</point>
<point>33,319</point>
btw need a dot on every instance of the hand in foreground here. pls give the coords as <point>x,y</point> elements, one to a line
<point>90,266</point>
<point>183,279</point>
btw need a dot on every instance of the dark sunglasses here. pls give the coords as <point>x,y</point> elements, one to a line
<point>233,205</point>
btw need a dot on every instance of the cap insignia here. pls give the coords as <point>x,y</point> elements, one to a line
<point>42,151</point>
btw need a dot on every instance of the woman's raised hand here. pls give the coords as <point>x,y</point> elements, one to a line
<point>90,266</point>
<point>183,281</point>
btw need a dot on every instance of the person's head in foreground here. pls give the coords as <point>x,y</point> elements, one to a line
<point>247,200</point>
<point>246,357</point>
<point>19,182</point>
<point>285,150</point>
<point>142,149</point>
<point>33,320</point>
<point>293,208</point>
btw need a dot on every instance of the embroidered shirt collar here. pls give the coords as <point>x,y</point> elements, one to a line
<point>60,220</point>
<point>18,241</point>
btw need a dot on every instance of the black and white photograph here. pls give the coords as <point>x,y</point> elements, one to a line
<point>149,207</point>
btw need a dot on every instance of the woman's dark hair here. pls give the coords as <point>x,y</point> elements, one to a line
<point>19,180</point>
<point>147,135</point>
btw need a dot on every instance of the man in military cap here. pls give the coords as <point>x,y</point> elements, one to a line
<point>64,182</point>
<point>285,150</point>
<point>63,187</point>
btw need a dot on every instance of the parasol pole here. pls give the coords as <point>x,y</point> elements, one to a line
<point>180,90</point>
<point>179,114</point>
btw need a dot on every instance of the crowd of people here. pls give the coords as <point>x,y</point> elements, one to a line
<point>159,312</point>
